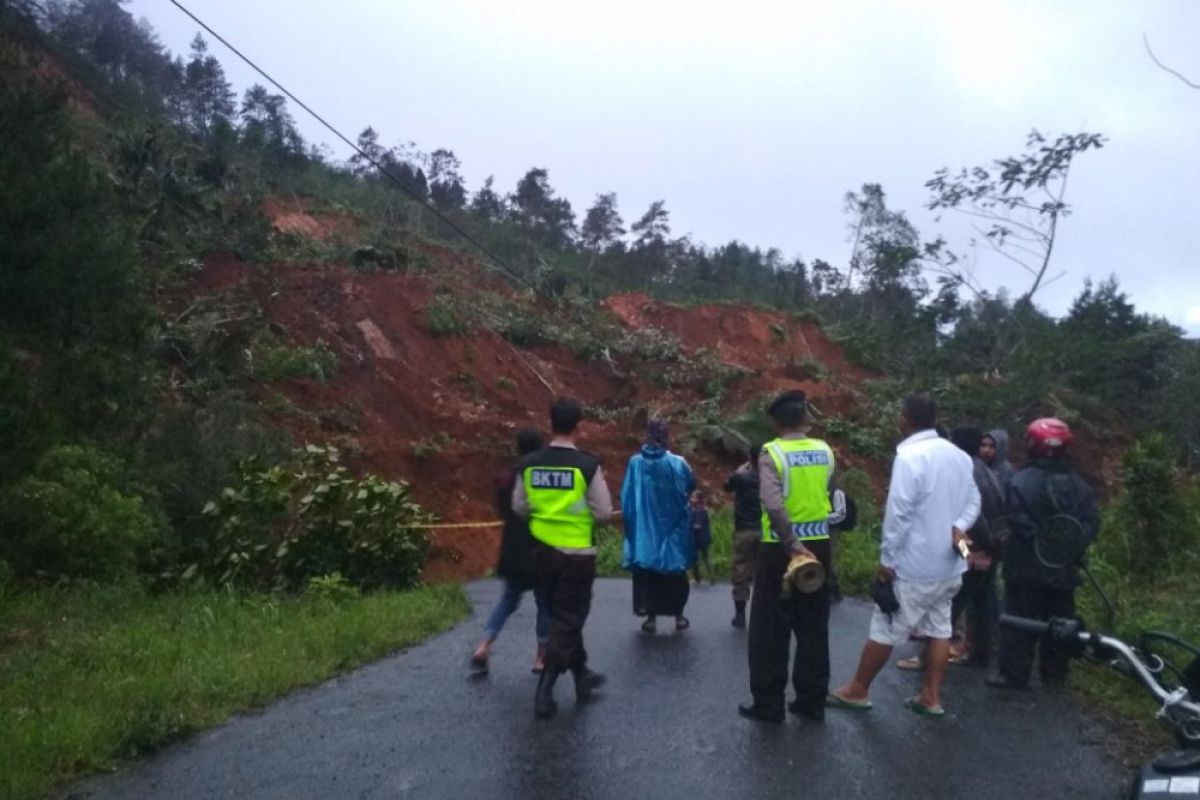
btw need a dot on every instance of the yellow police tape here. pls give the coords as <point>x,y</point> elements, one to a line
<point>442,526</point>
<point>448,525</point>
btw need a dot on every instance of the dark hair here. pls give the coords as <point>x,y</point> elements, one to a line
<point>529,440</point>
<point>658,433</point>
<point>967,438</point>
<point>565,415</point>
<point>921,411</point>
<point>790,409</point>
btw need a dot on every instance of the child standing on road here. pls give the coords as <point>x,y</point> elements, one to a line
<point>701,533</point>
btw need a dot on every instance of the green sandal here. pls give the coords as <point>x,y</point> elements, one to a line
<point>837,701</point>
<point>915,705</point>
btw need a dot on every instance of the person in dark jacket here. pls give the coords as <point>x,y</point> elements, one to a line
<point>978,598</point>
<point>993,451</point>
<point>515,565</point>
<point>1044,496</point>
<point>747,531</point>
<point>701,526</point>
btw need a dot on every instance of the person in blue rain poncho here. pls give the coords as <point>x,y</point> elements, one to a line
<point>658,546</point>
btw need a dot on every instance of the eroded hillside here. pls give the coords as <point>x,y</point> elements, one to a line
<point>439,364</point>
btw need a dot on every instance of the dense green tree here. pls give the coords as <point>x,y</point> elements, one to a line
<point>487,205</point>
<point>69,275</point>
<point>602,225</point>
<point>543,217</point>
<point>268,127</point>
<point>1110,352</point>
<point>1175,409</point>
<point>654,226</point>
<point>209,97</point>
<point>446,188</point>
<point>370,152</point>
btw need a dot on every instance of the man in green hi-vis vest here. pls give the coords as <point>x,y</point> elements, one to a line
<point>561,490</point>
<point>795,477</point>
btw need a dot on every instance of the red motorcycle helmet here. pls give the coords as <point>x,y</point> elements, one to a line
<point>1047,437</point>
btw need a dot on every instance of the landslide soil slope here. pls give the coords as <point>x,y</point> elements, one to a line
<point>440,411</point>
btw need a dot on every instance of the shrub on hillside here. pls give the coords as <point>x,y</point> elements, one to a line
<point>441,319</point>
<point>313,362</point>
<point>1156,519</point>
<point>279,527</point>
<point>75,517</point>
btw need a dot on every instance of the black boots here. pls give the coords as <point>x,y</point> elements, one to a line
<point>759,714</point>
<point>816,714</point>
<point>543,702</point>
<point>739,615</point>
<point>586,684</point>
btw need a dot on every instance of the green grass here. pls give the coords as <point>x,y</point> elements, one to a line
<point>1168,603</point>
<point>91,676</point>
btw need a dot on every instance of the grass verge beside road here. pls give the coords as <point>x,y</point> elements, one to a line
<point>91,676</point>
<point>1171,604</point>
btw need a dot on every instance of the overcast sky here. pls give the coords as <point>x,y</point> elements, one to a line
<point>753,119</point>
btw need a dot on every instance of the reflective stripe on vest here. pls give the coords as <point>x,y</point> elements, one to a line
<point>558,511</point>
<point>804,466</point>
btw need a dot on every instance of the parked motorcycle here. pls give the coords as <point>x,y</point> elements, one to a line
<point>1176,774</point>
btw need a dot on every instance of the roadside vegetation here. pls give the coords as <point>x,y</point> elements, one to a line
<point>93,675</point>
<point>1146,561</point>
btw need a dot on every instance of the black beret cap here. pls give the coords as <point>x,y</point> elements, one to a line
<point>795,396</point>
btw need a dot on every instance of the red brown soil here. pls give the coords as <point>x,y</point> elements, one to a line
<point>296,216</point>
<point>441,412</point>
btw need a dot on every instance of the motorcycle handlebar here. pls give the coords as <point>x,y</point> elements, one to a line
<point>1033,626</point>
<point>1073,630</point>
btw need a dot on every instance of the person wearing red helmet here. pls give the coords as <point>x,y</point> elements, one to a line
<point>1046,500</point>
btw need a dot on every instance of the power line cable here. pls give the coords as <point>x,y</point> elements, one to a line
<point>588,332</point>
<point>382,170</point>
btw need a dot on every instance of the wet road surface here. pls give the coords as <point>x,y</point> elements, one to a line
<point>418,725</point>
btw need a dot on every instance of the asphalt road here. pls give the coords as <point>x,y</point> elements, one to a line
<point>417,725</point>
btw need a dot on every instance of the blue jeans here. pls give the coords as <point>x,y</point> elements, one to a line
<point>509,602</point>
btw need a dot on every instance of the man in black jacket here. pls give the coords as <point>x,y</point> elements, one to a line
<point>1044,499</point>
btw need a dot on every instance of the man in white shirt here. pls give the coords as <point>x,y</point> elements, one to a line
<point>932,500</point>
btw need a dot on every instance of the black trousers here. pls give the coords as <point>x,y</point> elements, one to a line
<point>565,582</point>
<point>773,623</point>
<point>977,598</point>
<point>1035,601</point>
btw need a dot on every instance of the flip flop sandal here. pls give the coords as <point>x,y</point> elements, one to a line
<point>912,664</point>
<point>837,701</point>
<point>915,705</point>
<point>479,664</point>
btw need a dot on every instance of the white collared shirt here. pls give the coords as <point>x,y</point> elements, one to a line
<point>932,492</point>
